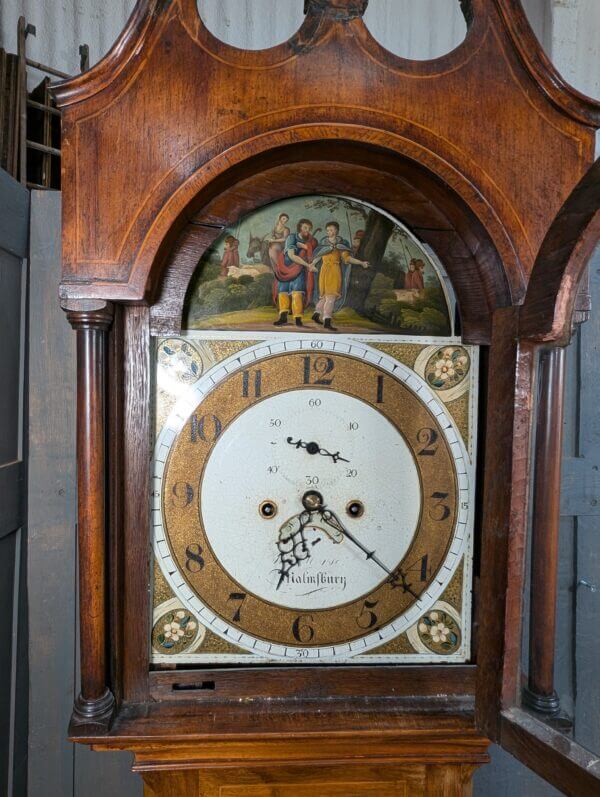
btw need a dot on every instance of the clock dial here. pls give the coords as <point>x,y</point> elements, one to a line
<point>311,499</point>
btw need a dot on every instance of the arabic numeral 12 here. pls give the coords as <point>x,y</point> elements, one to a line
<point>322,367</point>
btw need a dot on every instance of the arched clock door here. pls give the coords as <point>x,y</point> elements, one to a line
<point>305,394</point>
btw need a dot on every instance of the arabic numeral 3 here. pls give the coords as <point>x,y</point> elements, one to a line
<point>312,480</point>
<point>439,511</point>
<point>301,653</point>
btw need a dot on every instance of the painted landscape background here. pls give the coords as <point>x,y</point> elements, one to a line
<point>378,299</point>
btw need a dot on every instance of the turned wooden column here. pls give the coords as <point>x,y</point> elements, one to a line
<point>539,693</point>
<point>91,319</point>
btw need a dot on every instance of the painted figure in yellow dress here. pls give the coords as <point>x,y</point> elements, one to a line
<point>333,258</point>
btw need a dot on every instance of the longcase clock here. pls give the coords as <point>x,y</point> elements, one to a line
<point>306,352</point>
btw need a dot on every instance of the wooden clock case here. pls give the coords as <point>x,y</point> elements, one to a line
<point>174,135</point>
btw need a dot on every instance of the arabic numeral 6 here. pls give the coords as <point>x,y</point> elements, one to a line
<point>314,402</point>
<point>316,344</point>
<point>302,628</point>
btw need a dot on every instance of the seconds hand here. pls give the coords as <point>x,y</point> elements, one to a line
<point>314,500</point>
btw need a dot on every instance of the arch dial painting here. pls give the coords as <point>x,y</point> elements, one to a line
<point>313,475</point>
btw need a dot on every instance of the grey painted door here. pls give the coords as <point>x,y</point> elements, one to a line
<point>14,220</point>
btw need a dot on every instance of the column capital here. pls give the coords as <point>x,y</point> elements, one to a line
<point>89,313</point>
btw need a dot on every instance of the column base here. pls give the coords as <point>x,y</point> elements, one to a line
<point>542,704</point>
<point>97,710</point>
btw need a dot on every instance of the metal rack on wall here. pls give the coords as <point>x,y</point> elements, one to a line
<point>29,120</point>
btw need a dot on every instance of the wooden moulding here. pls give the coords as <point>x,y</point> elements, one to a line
<point>273,735</point>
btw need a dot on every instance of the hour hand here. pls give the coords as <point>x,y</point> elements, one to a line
<point>315,448</point>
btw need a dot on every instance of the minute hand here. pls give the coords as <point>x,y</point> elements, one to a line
<point>333,520</point>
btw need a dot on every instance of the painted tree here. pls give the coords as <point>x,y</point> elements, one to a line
<point>378,230</point>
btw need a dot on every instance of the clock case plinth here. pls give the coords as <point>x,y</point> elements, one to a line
<point>156,162</point>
